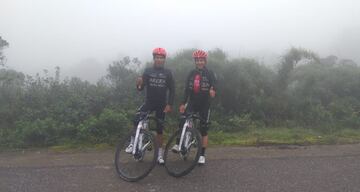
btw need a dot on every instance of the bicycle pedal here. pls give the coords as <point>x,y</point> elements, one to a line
<point>174,151</point>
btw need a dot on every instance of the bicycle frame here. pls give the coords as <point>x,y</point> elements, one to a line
<point>188,124</point>
<point>143,124</point>
<point>139,136</point>
<point>144,149</point>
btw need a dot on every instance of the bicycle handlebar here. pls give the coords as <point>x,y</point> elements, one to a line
<point>193,116</point>
<point>147,115</point>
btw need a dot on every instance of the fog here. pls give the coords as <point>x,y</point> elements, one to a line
<point>84,36</point>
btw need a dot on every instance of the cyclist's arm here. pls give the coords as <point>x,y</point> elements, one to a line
<point>171,86</point>
<point>186,89</point>
<point>144,81</point>
<point>213,79</point>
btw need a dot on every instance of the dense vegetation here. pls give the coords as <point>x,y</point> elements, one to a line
<point>301,91</point>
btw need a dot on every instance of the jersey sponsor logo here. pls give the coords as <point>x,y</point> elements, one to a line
<point>162,75</point>
<point>203,86</point>
<point>157,82</point>
<point>197,80</point>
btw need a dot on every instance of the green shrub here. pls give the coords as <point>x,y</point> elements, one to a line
<point>105,128</point>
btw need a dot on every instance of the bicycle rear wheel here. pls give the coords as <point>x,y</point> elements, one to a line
<point>181,163</point>
<point>133,167</point>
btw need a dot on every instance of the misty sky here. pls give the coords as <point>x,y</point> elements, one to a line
<point>84,36</point>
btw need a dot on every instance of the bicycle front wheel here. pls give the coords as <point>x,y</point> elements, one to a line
<point>133,167</point>
<point>180,163</point>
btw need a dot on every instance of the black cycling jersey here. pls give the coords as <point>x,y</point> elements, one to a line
<point>197,96</point>
<point>157,81</point>
<point>206,80</point>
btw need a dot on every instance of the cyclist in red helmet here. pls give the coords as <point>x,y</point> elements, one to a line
<point>157,81</point>
<point>199,89</point>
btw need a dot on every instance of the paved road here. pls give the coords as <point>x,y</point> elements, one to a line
<point>288,168</point>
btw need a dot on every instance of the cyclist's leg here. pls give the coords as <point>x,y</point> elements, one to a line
<point>159,113</point>
<point>204,125</point>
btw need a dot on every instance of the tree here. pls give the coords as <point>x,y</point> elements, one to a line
<point>3,44</point>
<point>11,91</point>
<point>289,62</point>
<point>121,78</point>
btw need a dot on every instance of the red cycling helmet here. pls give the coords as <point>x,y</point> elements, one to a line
<point>159,51</point>
<point>199,54</point>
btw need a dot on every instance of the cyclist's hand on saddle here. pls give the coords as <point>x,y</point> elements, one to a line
<point>167,109</point>
<point>212,92</point>
<point>182,108</point>
<point>139,82</point>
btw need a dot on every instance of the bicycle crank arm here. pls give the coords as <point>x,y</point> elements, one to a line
<point>144,147</point>
<point>192,142</point>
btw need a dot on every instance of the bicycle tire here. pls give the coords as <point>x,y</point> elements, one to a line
<point>120,148</point>
<point>194,162</point>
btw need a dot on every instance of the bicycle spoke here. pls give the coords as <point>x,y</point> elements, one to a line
<point>181,163</point>
<point>132,167</point>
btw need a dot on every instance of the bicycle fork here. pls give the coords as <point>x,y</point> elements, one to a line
<point>187,136</point>
<point>138,140</point>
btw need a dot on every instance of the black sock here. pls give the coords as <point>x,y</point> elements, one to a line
<point>203,151</point>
